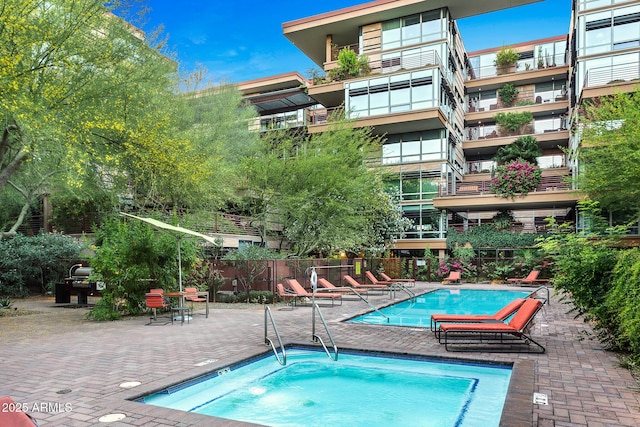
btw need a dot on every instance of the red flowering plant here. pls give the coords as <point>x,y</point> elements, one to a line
<point>516,177</point>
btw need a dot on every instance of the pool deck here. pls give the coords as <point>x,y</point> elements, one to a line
<point>67,371</point>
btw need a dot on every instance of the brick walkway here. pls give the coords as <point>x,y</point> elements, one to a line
<point>67,370</point>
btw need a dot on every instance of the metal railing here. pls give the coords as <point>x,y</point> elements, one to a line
<point>316,338</point>
<point>547,300</point>
<point>612,74</point>
<point>269,316</point>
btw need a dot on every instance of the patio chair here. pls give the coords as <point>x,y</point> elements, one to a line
<point>375,281</point>
<point>494,335</point>
<point>194,297</point>
<point>330,287</point>
<point>454,277</point>
<point>155,301</point>
<point>531,279</point>
<point>301,292</point>
<point>288,297</point>
<point>500,315</point>
<point>406,282</point>
<point>358,286</point>
<point>12,414</point>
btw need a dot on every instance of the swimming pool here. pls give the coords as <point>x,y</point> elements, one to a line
<point>417,311</point>
<point>371,389</point>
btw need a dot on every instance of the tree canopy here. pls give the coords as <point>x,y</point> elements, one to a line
<point>610,152</point>
<point>323,194</point>
<point>89,106</point>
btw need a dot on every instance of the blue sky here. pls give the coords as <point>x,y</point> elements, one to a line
<point>242,40</point>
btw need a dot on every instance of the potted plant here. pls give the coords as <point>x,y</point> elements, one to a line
<point>506,60</point>
<point>508,94</point>
<point>513,123</point>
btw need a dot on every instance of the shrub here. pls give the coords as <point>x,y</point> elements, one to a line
<point>507,94</point>
<point>513,122</point>
<point>35,262</point>
<point>350,65</point>
<point>518,177</point>
<point>506,58</point>
<point>127,255</point>
<point>486,236</point>
<point>525,148</point>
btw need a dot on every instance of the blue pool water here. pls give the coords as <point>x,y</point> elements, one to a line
<point>417,312</point>
<point>356,390</point>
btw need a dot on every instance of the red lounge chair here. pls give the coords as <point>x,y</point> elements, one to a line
<point>501,315</point>
<point>492,333</point>
<point>12,414</point>
<point>301,292</point>
<point>375,281</point>
<point>407,282</point>
<point>357,286</point>
<point>533,275</point>
<point>454,276</point>
<point>282,293</point>
<point>194,297</point>
<point>329,287</point>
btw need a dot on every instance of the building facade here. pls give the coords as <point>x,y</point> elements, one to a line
<point>445,112</point>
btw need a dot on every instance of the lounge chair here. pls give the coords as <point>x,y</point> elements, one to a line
<point>375,281</point>
<point>500,315</point>
<point>496,335</point>
<point>454,277</point>
<point>301,292</point>
<point>288,297</point>
<point>406,282</point>
<point>531,279</point>
<point>330,287</point>
<point>12,414</point>
<point>358,286</point>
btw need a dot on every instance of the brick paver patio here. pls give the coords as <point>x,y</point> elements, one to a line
<point>67,370</point>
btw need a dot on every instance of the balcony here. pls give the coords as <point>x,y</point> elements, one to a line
<point>475,194</point>
<point>607,80</point>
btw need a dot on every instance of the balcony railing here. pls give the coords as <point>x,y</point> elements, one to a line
<point>483,187</point>
<point>524,98</point>
<point>612,74</point>
<point>523,66</point>
<point>476,133</point>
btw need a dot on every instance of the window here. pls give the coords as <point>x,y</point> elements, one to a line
<point>425,219</point>
<point>412,30</point>
<point>414,147</point>
<point>384,95</point>
<point>610,30</point>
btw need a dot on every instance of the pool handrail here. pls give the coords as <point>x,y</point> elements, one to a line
<point>402,287</point>
<point>539,288</point>
<point>267,340</point>
<point>317,338</point>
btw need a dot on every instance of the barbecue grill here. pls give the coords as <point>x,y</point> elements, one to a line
<point>78,283</point>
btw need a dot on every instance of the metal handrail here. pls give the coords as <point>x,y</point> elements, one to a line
<point>400,286</point>
<point>371,306</point>
<point>317,338</point>
<point>267,340</point>
<point>548,300</point>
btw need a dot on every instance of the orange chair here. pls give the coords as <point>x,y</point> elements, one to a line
<point>301,292</point>
<point>531,279</point>
<point>454,277</point>
<point>330,287</point>
<point>358,286</point>
<point>284,295</point>
<point>500,315</point>
<point>154,301</point>
<point>375,281</point>
<point>406,282</point>
<point>492,333</point>
<point>11,414</point>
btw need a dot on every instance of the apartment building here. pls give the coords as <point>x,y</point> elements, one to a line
<point>441,108</point>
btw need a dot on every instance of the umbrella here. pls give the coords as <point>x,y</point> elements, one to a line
<point>179,230</point>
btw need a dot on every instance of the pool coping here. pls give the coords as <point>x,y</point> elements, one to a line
<point>517,410</point>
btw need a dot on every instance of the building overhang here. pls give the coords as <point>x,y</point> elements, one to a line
<point>410,121</point>
<point>275,94</point>
<point>490,202</point>
<point>480,148</point>
<point>309,34</point>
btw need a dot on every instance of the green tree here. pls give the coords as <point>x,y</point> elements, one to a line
<point>320,191</point>
<point>87,102</point>
<point>610,152</point>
